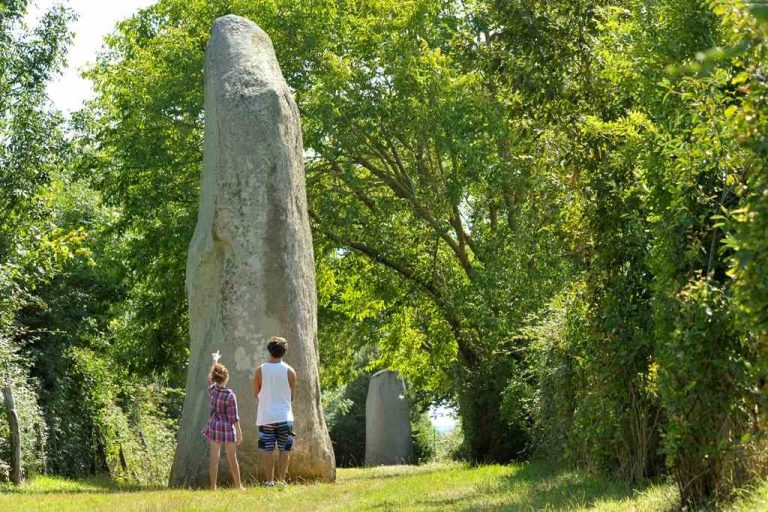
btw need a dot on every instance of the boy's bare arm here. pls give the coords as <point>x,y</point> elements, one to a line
<point>257,382</point>
<point>292,382</point>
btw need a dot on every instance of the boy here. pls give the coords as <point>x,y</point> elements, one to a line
<point>274,384</point>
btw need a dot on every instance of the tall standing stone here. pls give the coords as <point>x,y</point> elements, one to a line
<point>387,421</point>
<point>250,268</point>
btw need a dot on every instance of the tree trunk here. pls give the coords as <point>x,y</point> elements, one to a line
<point>13,422</point>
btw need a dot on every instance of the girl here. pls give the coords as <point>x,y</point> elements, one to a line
<point>224,423</point>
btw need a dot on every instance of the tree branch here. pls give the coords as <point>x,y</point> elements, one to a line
<point>422,212</point>
<point>450,316</point>
<point>403,270</point>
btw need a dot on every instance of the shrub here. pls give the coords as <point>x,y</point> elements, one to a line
<point>423,436</point>
<point>554,357</point>
<point>586,408</point>
<point>517,402</point>
<point>451,446</point>
<point>100,423</point>
<point>347,428</point>
<point>31,423</point>
<point>707,390</point>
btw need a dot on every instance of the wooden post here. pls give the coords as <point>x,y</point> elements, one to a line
<point>13,422</point>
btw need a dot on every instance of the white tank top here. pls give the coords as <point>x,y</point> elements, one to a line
<point>275,395</point>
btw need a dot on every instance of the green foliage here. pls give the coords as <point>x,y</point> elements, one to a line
<point>657,176</point>
<point>517,402</point>
<point>556,356</point>
<point>707,393</point>
<point>335,404</point>
<point>581,414</point>
<point>32,427</point>
<point>58,282</point>
<point>423,436</point>
<point>451,446</point>
<point>99,423</point>
<point>34,248</point>
<point>748,220</point>
<point>347,428</point>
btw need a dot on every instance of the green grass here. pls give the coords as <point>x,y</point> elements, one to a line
<point>434,487</point>
<point>430,487</point>
<point>752,500</point>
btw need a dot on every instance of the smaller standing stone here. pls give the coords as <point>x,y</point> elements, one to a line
<point>387,421</point>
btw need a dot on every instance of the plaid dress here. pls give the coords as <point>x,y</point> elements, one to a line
<point>221,423</point>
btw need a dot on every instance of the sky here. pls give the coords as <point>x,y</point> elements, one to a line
<point>96,18</point>
<point>443,418</point>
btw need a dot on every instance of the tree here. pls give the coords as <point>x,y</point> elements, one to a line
<point>33,248</point>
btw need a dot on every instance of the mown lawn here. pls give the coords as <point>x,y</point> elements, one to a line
<point>524,487</point>
<point>430,487</point>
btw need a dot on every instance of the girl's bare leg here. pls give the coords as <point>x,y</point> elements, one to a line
<point>214,451</point>
<point>234,467</point>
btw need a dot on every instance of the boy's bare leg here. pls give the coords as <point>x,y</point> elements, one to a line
<point>282,465</point>
<point>234,467</point>
<point>214,449</point>
<point>269,466</point>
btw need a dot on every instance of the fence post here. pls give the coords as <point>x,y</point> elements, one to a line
<point>13,423</point>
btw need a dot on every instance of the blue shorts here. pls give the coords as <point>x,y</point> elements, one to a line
<point>280,434</point>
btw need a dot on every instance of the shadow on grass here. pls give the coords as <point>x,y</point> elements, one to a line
<point>535,486</point>
<point>39,485</point>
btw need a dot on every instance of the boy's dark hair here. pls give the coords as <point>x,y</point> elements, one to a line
<point>219,374</point>
<point>277,346</point>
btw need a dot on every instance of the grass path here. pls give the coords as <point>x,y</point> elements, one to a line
<point>431,487</point>
<point>437,487</point>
